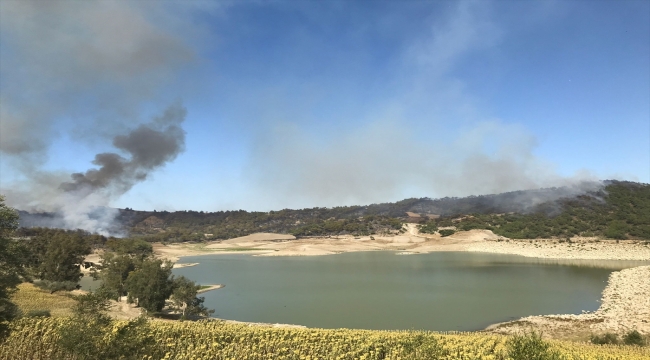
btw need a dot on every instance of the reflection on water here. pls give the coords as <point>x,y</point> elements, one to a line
<point>602,264</point>
<point>87,283</point>
<point>378,290</point>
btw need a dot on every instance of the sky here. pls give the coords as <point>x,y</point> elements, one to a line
<point>265,105</point>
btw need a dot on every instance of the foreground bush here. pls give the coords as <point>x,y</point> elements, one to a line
<point>38,338</point>
<point>531,347</point>
<point>634,338</point>
<point>605,339</point>
<point>631,338</point>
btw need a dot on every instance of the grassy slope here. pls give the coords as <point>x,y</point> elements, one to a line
<point>30,298</point>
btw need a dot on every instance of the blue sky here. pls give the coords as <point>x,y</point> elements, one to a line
<point>300,104</point>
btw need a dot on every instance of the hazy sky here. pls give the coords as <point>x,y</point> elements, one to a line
<point>320,103</point>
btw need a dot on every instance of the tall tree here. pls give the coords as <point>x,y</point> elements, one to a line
<point>184,298</point>
<point>63,256</point>
<point>150,285</point>
<point>114,270</point>
<point>12,259</point>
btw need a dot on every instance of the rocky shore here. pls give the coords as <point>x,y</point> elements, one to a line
<point>587,249</point>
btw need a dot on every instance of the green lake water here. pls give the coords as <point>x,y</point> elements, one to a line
<point>441,291</point>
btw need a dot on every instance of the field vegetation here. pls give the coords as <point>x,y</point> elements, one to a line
<point>32,300</point>
<point>142,339</point>
<point>84,331</point>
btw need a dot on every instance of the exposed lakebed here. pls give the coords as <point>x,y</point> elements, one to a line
<point>441,291</point>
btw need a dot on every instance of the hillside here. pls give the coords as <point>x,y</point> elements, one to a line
<point>614,209</point>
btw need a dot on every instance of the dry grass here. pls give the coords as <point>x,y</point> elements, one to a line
<point>30,298</point>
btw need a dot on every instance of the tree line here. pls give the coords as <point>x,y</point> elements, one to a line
<point>52,259</point>
<point>620,211</point>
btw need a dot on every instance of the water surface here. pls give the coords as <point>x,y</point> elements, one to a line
<point>380,290</point>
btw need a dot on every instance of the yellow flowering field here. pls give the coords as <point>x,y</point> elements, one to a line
<point>36,338</point>
<point>31,298</point>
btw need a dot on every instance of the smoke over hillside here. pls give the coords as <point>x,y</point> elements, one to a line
<point>81,201</point>
<point>86,71</point>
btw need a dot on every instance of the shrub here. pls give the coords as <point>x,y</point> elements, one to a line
<point>446,232</point>
<point>422,347</point>
<point>91,334</point>
<point>605,339</point>
<point>530,346</point>
<point>634,338</point>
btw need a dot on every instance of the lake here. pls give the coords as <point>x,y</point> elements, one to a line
<point>441,291</point>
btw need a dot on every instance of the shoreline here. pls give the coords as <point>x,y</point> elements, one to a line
<point>625,306</point>
<point>210,288</point>
<point>413,243</point>
<point>625,300</point>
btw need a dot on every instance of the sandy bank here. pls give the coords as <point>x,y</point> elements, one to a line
<point>625,306</point>
<point>551,249</point>
<point>179,266</point>
<point>210,288</point>
<point>411,242</point>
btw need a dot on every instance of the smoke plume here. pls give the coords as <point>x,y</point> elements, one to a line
<point>86,71</point>
<point>427,137</point>
<point>149,146</point>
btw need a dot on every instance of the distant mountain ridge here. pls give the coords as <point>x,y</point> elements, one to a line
<point>374,218</point>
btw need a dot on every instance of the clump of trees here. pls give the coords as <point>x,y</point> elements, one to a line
<point>132,271</point>
<point>620,211</point>
<point>52,259</point>
<point>363,226</point>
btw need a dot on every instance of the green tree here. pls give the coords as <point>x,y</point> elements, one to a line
<point>12,259</point>
<point>616,229</point>
<point>150,285</point>
<point>134,247</point>
<point>63,256</point>
<point>446,232</point>
<point>184,298</point>
<point>113,271</point>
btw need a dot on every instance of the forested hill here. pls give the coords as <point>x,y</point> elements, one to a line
<point>612,208</point>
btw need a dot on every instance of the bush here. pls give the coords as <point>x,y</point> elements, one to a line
<point>605,339</point>
<point>634,338</point>
<point>446,232</point>
<point>530,347</point>
<point>91,334</point>
<point>422,347</point>
<point>38,313</point>
<point>428,228</point>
